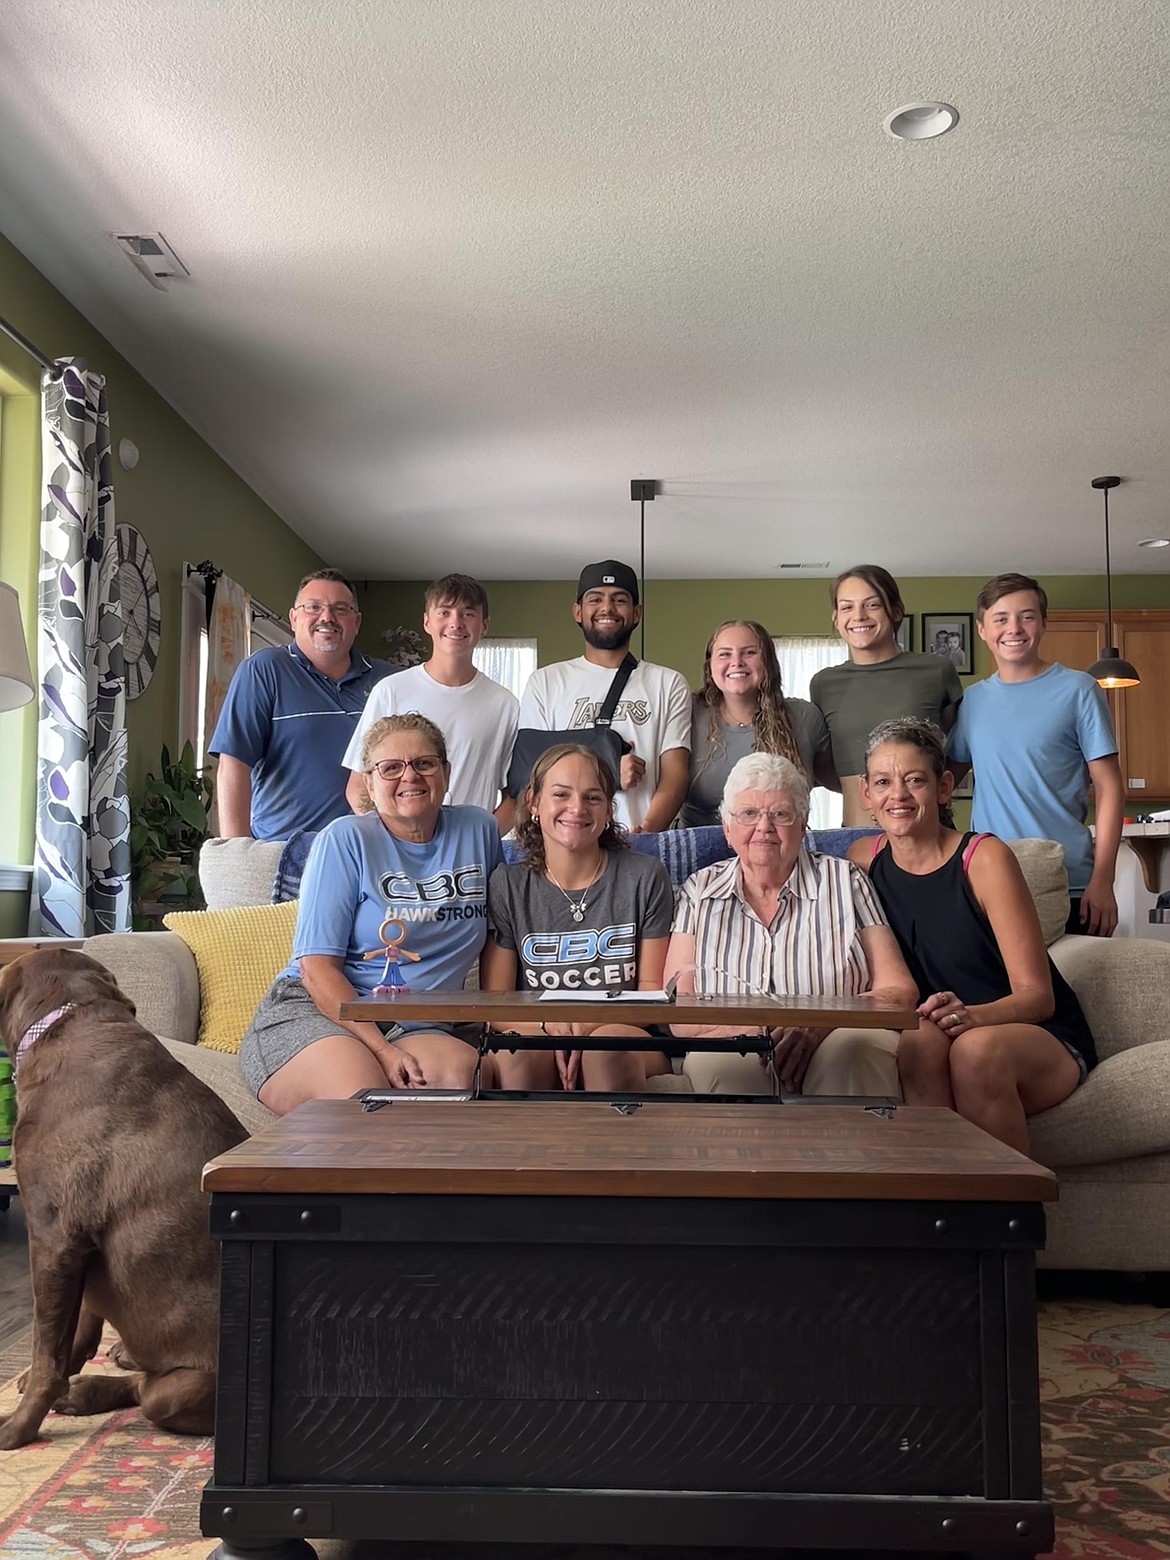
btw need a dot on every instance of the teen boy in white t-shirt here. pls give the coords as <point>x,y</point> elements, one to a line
<point>477,716</point>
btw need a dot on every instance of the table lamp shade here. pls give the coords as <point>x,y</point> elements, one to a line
<point>16,679</point>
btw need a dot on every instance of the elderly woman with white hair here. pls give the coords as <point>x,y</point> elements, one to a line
<point>780,919</point>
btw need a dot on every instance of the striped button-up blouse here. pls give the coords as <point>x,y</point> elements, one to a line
<point>812,947</point>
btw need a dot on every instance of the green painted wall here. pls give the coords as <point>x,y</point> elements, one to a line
<point>186,501</point>
<point>680,614</point>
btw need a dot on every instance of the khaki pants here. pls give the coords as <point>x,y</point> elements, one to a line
<point>847,1061</point>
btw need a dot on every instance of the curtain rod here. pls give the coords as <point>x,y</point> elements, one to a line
<point>210,574</point>
<point>23,341</point>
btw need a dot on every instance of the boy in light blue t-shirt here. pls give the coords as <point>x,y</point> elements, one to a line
<point>1038,734</point>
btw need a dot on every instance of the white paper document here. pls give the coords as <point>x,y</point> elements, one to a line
<point>603,998</point>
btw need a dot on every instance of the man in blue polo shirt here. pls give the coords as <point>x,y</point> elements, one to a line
<point>288,718</point>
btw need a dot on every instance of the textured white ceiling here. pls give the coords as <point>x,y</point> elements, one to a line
<point>461,270</point>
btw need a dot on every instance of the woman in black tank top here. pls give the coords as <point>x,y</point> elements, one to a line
<point>1002,1035</point>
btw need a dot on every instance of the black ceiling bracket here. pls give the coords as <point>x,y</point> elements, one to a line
<point>641,489</point>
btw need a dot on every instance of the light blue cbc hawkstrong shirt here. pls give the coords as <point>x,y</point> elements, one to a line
<point>358,873</point>
<point>1030,744</point>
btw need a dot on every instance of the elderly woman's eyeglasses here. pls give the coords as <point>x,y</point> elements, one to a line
<point>778,817</point>
<point>392,768</point>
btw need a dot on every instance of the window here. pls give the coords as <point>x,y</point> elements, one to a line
<point>20,514</point>
<point>268,631</point>
<point>508,661</point>
<point>800,658</point>
<point>192,663</point>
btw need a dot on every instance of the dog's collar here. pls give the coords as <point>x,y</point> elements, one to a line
<point>34,1031</point>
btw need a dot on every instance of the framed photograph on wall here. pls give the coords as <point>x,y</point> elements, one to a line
<point>905,634</point>
<point>965,789</point>
<point>951,634</point>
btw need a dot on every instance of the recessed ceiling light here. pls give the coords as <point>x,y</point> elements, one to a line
<point>921,121</point>
<point>1155,541</point>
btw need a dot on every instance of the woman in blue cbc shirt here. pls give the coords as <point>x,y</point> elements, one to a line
<point>580,914</point>
<point>411,861</point>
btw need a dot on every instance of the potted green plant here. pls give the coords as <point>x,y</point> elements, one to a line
<point>167,827</point>
<point>404,646</point>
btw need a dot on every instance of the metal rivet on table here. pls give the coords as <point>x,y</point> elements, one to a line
<point>949,1525</point>
<point>1014,1226</point>
<point>1023,1529</point>
<point>228,1514</point>
<point>940,1226</point>
<point>300,1515</point>
<point>307,1217</point>
<point>236,1216</point>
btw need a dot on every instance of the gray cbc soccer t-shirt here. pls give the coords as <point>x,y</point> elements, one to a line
<point>631,900</point>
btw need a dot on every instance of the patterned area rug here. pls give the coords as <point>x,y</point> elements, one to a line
<point>112,1488</point>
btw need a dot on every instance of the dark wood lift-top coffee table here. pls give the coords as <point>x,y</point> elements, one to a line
<point>702,1324</point>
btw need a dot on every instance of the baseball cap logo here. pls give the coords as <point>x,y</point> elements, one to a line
<point>607,579</point>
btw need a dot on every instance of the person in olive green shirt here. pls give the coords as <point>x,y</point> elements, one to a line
<point>879,681</point>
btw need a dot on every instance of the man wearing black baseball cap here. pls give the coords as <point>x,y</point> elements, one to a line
<point>653,713</point>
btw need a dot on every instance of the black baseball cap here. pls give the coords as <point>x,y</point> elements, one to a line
<point>608,572</point>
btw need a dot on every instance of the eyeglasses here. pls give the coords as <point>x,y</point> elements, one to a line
<point>319,609</point>
<point>391,768</point>
<point>778,817</point>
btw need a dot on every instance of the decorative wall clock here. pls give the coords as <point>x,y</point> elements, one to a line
<point>142,619</point>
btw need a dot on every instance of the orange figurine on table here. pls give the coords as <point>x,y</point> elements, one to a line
<point>392,983</point>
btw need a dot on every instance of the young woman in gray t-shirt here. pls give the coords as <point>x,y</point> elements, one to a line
<point>742,708</point>
<point>580,913</point>
<point>880,681</point>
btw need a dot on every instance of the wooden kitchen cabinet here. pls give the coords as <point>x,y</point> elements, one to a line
<point>1141,715</point>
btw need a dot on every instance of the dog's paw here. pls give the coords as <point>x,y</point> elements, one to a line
<point>97,1395</point>
<point>75,1402</point>
<point>121,1355</point>
<point>12,1434</point>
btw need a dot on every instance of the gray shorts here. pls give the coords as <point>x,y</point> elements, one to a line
<point>288,1021</point>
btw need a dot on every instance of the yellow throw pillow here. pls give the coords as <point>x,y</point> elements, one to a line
<point>239,954</point>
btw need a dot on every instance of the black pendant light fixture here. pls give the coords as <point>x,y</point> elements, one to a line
<point>1111,671</point>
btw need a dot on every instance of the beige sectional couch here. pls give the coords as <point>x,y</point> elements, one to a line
<point>1109,1143</point>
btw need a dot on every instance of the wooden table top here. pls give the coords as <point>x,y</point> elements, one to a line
<point>13,947</point>
<point>586,1148</point>
<point>500,1007</point>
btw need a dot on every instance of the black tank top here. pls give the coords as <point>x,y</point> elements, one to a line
<point>948,943</point>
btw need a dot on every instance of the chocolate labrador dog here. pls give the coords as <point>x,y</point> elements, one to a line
<point>111,1136</point>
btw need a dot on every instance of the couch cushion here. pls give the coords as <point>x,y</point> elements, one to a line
<point>239,954</point>
<point>222,1075</point>
<point>1042,863</point>
<point>1123,984</point>
<point>157,971</point>
<point>238,872</point>
<point>1119,1112</point>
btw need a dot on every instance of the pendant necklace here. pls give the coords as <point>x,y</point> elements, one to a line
<point>577,906</point>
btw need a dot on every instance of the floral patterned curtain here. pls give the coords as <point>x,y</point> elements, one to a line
<point>229,641</point>
<point>83,810</point>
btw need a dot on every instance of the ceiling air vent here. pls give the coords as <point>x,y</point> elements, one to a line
<point>802,566</point>
<point>153,256</point>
